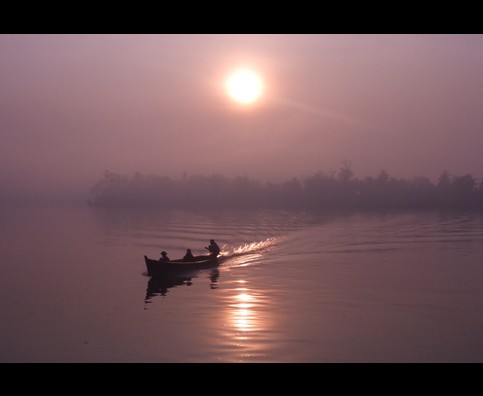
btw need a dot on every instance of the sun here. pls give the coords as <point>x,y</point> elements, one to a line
<point>244,86</point>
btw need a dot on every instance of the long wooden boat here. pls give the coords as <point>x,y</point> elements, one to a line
<point>156,267</point>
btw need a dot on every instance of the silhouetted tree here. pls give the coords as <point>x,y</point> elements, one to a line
<point>444,182</point>
<point>289,194</point>
<point>464,190</point>
<point>319,190</point>
<point>345,174</point>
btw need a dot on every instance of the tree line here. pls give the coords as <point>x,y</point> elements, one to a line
<point>320,190</point>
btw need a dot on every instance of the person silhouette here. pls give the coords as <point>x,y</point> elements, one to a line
<point>164,256</point>
<point>213,248</point>
<point>188,256</point>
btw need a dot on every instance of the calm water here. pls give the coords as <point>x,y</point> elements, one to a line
<point>294,287</point>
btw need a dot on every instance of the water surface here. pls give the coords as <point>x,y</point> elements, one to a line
<point>294,286</point>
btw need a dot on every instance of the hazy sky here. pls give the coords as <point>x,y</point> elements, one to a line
<point>73,106</point>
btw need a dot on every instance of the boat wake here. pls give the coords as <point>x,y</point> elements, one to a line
<point>246,254</point>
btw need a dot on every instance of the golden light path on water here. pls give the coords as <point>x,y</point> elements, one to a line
<point>245,325</point>
<point>243,317</point>
<point>247,321</point>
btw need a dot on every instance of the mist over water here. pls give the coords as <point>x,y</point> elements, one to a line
<point>293,286</point>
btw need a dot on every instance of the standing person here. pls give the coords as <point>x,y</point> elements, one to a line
<point>164,256</point>
<point>214,249</point>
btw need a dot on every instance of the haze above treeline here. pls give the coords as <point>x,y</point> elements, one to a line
<point>72,106</point>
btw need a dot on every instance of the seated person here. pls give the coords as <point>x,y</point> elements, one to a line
<point>164,256</point>
<point>188,256</point>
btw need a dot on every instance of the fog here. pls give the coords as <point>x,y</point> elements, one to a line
<point>74,106</point>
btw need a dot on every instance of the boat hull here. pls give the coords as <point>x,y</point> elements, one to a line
<point>156,267</point>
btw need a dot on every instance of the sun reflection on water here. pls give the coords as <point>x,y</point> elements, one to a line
<point>244,321</point>
<point>243,317</point>
<point>250,330</point>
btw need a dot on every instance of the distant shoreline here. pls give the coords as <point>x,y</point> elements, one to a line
<point>319,191</point>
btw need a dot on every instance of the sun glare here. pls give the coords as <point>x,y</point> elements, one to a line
<point>244,86</point>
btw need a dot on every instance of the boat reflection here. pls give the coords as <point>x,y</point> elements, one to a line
<point>214,275</point>
<point>160,285</point>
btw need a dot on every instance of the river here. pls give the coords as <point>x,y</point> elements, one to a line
<point>293,286</point>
